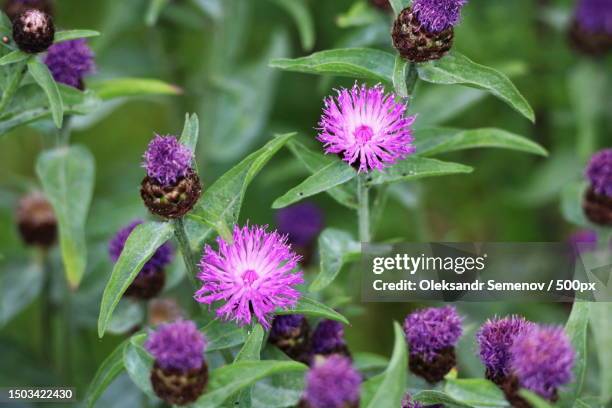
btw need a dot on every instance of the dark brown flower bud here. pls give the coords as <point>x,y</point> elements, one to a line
<point>164,311</point>
<point>172,200</point>
<point>434,370</point>
<point>588,42</point>
<point>33,31</point>
<point>291,333</point>
<point>597,207</point>
<point>147,284</point>
<point>415,42</point>
<point>178,387</point>
<point>510,386</point>
<point>14,8</point>
<point>36,220</point>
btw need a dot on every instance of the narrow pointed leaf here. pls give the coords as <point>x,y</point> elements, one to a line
<point>67,177</point>
<point>332,175</point>
<point>456,68</point>
<point>13,57</point>
<point>310,307</point>
<point>601,327</point>
<point>414,168</point>
<point>535,400</point>
<point>252,347</point>
<point>576,328</point>
<point>475,392</point>
<point>61,36</point>
<point>110,368</point>
<point>335,247</point>
<point>221,335</point>
<point>191,132</point>
<point>125,87</point>
<point>44,79</point>
<point>303,19</point>
<point>140,246</point>
<point>138,364</point>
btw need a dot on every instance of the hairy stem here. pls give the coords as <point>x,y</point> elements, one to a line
<point>363,211</point>
<point>188,255</point>
<point>12,87</point>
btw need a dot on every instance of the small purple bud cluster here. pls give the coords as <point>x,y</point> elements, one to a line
<point>177,346</point>
<point>328,338</point>
<point>70,61</point>
<point>428,331</point>
<point>438,15</point>
<point>599,172</point>
<point>332,382</point>
<point>166,159</point>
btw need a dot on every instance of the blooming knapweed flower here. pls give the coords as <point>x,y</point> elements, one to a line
<point>328,338</point>
<point>424,31</point>
<point>13,8</point>
<point>431,335</point>
<point>254,275</point>
<point>332,383</point>
<point>70,61</point>
<point>591,31</point>
<point>368,128</point>
<point>171,187</point>
<point>151,278</point>
<point>33,31</point>
<point>179,373</point>
<point>597,203</point>
<point>290,333</point>
<point>494,339</point>
<point>542,359</point>
<point>36,220</point>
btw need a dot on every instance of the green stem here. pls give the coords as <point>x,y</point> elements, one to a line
<point>188,256</point>
<point>63,134</point>
<point>47,309</point>
<point>363,211</point>
<point>12,87</point>
<point>411,80</point>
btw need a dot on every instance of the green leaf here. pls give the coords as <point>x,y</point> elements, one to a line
<point>252,347</point>
<point>398,5</point>
<point>314,161</point>
<point>360,14</point>
<point>13,57</point>
<point>138,364</point>
<point>456,68</point>
<point>363,63</point>
<point>139,247</point>
<point>414,168</point>
<point>154,10</point>
<point>61,36</point>
<point>571,204</point>
<point>221,335</point>
<point>310,307</point>
<point>303,19</point>
<point>20,284</point>
<point>433,141</point>
<point>364,361</point>
<point>220,204</point>
<point>576,328</point>
<point>67,177</point>
<point>475,392</point>
<point>535,400</point>
<point>228,380</point>
<point>601,327</point>
<point>110,368</point>
<point>191,132</point>
<point>332,175</point>
<point>43,77</point>
<point>336,247</point>
<point>433,397</point>
<point>125,87</point>
<point>399,76</point>
<point>391,385</point>
<point>128,314</point>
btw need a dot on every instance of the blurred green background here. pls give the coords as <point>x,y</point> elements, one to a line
<point>218,53</point>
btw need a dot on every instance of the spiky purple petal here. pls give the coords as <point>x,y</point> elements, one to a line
<point>432,329</point>
<point>254,275</point>
<point>438,15</point>
<point>332,383</point>
<point>166,159</point>
<point>367,127</point>
<point>177,346</point>
<point>70,61</point>
<point>599,172</point>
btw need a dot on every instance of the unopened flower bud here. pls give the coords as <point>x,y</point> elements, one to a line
<point>290,333</point>
<point>33,31</point>
<point>591,28</point>
<point>597,203</point>
<point>328,339</point>
<point>332,382</point>
<point>36,220</point>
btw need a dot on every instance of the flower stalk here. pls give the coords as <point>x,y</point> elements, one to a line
<point>188,258</point>
<point>363,210</point>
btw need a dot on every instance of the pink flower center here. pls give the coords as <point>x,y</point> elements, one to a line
<point>249,276</point>
<point>363,134</point>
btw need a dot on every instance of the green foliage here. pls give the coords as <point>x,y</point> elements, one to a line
<point>310,307</point>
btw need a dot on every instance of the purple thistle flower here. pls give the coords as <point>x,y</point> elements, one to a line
<point>542,359</point>
<point>408,402</point>
<point>431,330</point>
<point>162,257</point>
<point>599,172</point>
<point>177,346</point>
<point>285,326</point>
<point>301,222</point>
<point>367,127</point>
<point>495,338</point>
<point>253,275</point>
<point>332,383</point>
<point>166,159</point>
<point>595,16</point>
<point>328,337</point>
<point>70,61</point>
<point>438,15</point>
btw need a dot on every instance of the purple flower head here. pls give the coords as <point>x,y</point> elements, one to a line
<point>253,275</point>
<point>166,159</point>
<point>438,15</point>
<point>328,337</point>
<point>431,330</point>
<point>595,16</point>
<point>301,222</point>
<point>70,61</point>
<point>285,326</point>
<point>367,127</point>
<point>162,257</point>
<point>542,358</point>
<point>177,346</point>
<point>332,383</point>
<point>495,338</point>
<point>599,172</point>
